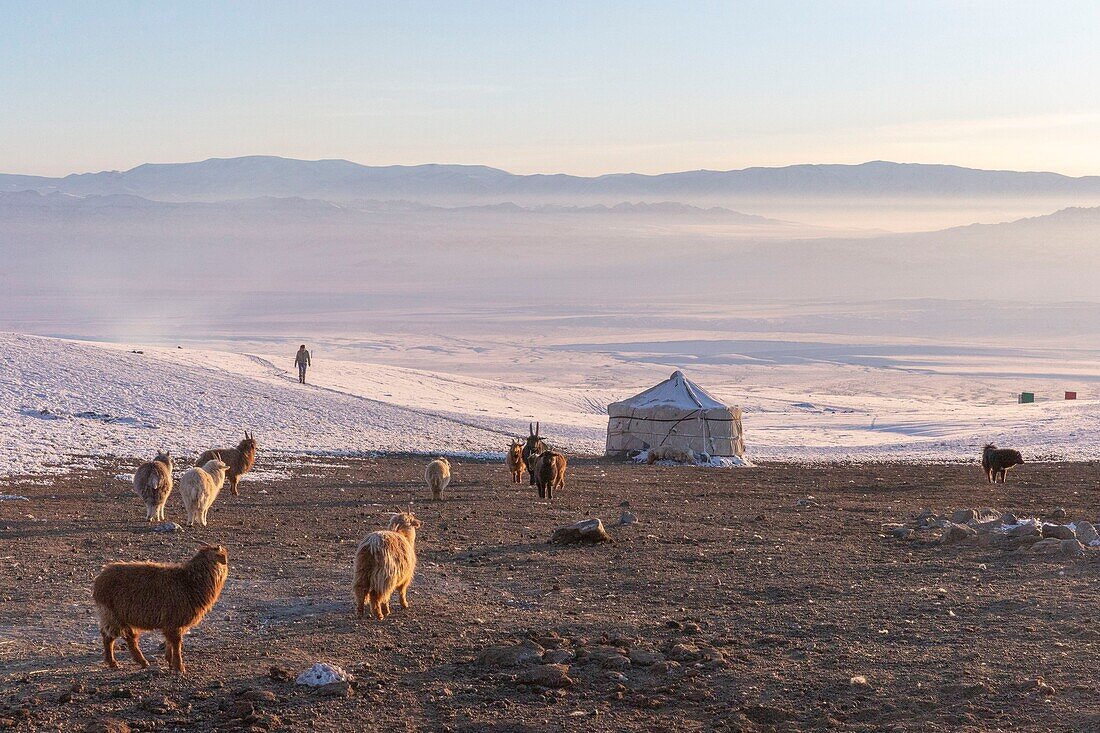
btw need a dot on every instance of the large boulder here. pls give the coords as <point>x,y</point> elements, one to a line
<point>1059,532</point>
<point>1054,546</point>
<point>1087,534</point>
<point>585,531</point>
<point>1072,548</point>
<point>965,516</point>
<point>954,532</point>
<point>1027,529</point>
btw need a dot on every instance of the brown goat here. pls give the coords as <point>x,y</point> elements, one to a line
<point>532,447</point>
<point>240,460</point>
<point>996,462</point>
<point>134,597</point>
<point>153,484</point>
<point>549,473</point>
<point>515,462</point>
<point>384,562</point>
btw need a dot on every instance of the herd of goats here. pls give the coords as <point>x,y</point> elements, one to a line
<point>134,597</point>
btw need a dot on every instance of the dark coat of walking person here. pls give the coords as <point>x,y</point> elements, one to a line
<point>302,360</point>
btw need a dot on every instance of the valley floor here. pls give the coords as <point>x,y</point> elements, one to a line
<point>727,606</point>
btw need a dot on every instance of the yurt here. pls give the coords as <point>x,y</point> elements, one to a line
<point>676,413</point>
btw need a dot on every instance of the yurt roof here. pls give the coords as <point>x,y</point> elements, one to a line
<point>676,391</point>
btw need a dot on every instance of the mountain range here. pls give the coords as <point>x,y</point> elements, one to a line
<point>340,180</point>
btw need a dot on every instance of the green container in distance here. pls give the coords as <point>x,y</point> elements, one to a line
<point>1026,397</point>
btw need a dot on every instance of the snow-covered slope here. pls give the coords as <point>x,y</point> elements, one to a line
<point>65,403</point>
<point>60,400</point>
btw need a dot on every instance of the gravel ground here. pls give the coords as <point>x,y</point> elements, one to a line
<point>726,606</point>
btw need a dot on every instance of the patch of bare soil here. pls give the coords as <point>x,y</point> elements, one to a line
<point>728,605</point>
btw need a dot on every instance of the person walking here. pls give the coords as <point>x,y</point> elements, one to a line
<point>302,360</point>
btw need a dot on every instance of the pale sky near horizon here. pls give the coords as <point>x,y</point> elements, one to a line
<point>575,87</point>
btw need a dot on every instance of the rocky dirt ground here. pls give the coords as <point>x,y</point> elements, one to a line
<point>729,604</point>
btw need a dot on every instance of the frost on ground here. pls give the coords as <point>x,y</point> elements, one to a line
<point>67,404</point>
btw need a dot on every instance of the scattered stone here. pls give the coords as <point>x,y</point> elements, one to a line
<point>609,657</point>
<point>1087,534</point>
<point>1043,688</point>
<point>1058,513</point>
<point>166,527</point>
<point>586,530</point>
<point>1071,548</point>
<point>321,674</point>
<point>158,705</point>
<point>1048,546</point>
<point>511,655</point>
<point>1009,518</point>
<point>904,533</point>
<point>628,518</point>
<point>665,667</point>
<point>558,656</point>
<point>684,653</point>
<point>806,503</point>
<point>121,693</point>
<point>859,681</point>
<point>954,532</point>
<point>965,516</point>
<point>1023,530</point>
<point>340,688</point>
<point>238,709</point>
<point>927,519</point>
<point>546,675</point>
<point>1059,532</point>
<point>644,658</point>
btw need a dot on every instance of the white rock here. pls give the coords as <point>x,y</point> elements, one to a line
<point>322,673</point>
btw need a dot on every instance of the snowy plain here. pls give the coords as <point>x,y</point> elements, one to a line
<point>66,404</point>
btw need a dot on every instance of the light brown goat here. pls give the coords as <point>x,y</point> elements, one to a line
<point>549,473</point>
<point>134,597</point>
<point>438,476</point>
<point>385,562</point>
<point>153,484</point>
<point>515,462</point>
<point>240,459</point>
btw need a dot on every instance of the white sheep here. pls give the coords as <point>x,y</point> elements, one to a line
<point>199,488</point>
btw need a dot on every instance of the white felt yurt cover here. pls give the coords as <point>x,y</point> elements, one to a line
<point>676,413</point>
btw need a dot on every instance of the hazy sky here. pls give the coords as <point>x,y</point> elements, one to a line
<point>581,87</point>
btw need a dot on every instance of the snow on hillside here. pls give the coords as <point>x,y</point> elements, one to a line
<point>66,403</point>
<point>62,400</point>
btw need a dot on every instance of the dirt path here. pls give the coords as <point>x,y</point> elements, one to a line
<point>725,607</point>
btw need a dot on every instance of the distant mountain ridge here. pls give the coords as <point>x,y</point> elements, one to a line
<point>340,180</point>
<point>54,201</point>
